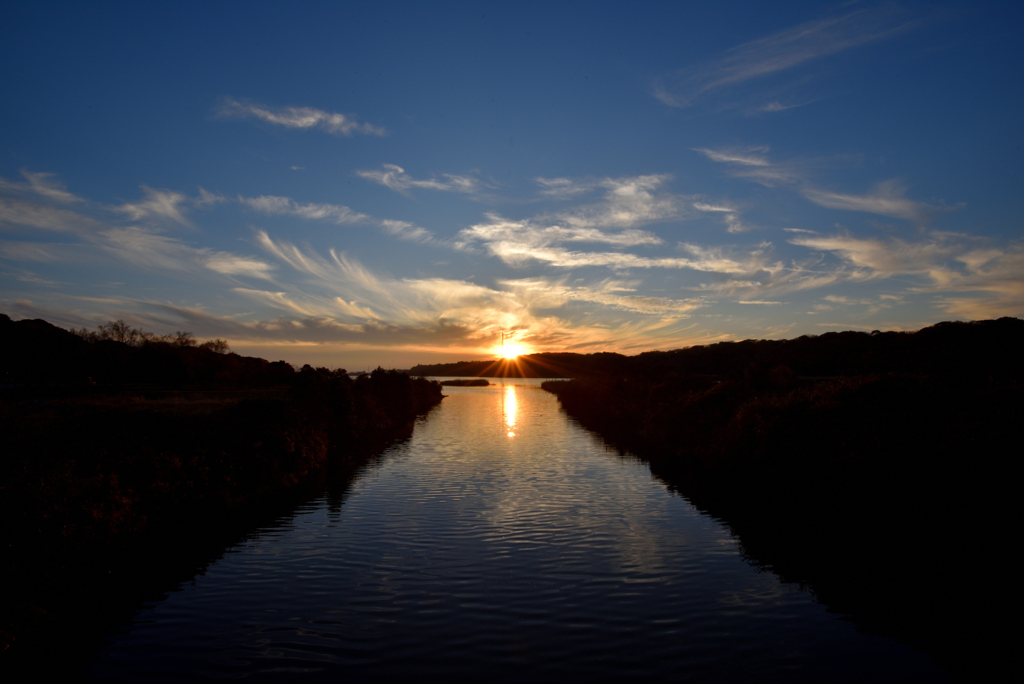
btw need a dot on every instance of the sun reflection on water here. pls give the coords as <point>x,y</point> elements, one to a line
<point>508,407</point>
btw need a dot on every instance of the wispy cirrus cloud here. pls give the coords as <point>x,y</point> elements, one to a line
<point>394,177</point>
<point>774,106</point>
<point>779,52</point>
<point>158,204</point>
<point>405,230</point>
<point>752,156</point>
<point>336,213</point>
<point>230,264</point>
<point>29,277</point>
<point>144,248</point>
<point>345,286</point>
<point>327,331</point>
<point>520,242</point>
<point>19,212</point>
<point>272,204</point>
<point>564,188</point>
<point>545,311</point>
<point>207,198</point>
<point>614,219</point>
<point>730,215</point>
<point>881,257</point>
<point>539,234</point>
<point>887,199</point>
<point>277,300</point>
<point>733,261</point>
<point>516,242</point>
<point>43,184</point>
<point>137,246</point>
<point>547,293</point>
<point>868,305</point>
<point>971,281</point>
<point>628,202</point>
<point>294,327</point>
<point>42,252</point>
<point>793,278</point>
<point>753,163</point>
<point>303,118</point>
<point>339,273</point>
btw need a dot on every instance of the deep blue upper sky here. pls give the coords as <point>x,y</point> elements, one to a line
<point>389,183</point>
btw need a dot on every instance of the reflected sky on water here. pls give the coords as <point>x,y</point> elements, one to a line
<point>501,541</point>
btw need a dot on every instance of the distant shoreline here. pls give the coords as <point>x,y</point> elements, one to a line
<point>475,382</point>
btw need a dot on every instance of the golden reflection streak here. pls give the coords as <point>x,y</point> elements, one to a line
<point>508,407</point>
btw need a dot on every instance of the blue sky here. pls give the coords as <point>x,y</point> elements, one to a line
<point>390,183</point>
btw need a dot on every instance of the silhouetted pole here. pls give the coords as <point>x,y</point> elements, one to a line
<point>505,336</point>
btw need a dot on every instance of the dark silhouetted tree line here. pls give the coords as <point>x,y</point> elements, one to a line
<point>119,441</point>
<point>120,331</point>
<point>34,352</point>
<point>969,349</point>
<point>881,470</point>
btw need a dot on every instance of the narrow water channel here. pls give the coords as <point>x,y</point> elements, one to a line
<point>502,542</point>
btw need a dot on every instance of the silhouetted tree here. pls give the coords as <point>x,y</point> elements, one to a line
<point>217,345</point>
<point>120,331</point>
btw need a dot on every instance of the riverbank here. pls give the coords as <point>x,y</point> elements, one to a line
<point>108,475</point>
<point>889,494</point>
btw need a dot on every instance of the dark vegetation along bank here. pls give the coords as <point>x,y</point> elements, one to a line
<point>126,453</point>
<point>880,470</point>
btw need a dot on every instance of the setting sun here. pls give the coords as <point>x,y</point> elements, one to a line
<point>511,350</point>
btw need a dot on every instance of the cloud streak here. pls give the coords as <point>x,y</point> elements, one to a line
<point>303,118</point>
<point>284,206</point>
<point>943,265</point>
<point>158,204</point>
<point>628,202</point>
<point>546,293</point>
<point>31,215</point>
<point>336,213</point>
<point>41,184</point>
<point>394,177</point>
<point>143,248</point>
<point>730,215</point>
<point>404,230</point>
<point>615,219</point>
<point>887,200</point>
<point>779,52</point>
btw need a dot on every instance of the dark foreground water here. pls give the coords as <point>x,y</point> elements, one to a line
<point>501,543</point>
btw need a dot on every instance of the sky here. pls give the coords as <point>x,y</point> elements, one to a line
<point>390,183</point>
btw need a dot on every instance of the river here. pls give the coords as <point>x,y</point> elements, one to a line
<point>501,542</point>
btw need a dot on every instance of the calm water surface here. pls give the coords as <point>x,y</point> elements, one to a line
<point>501,542</point>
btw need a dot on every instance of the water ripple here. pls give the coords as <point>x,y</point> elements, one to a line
<point>467,553</point>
